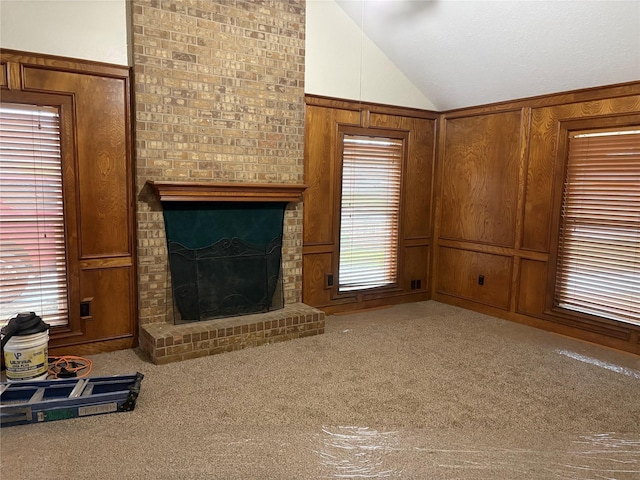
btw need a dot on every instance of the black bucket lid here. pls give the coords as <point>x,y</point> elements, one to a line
<point>23,324</point>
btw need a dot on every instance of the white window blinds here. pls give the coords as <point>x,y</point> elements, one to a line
<point>370,206</point>
<point>599,251</point>
<point>32,240</point>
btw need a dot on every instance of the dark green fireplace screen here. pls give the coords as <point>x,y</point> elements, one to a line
<point>225,258</point>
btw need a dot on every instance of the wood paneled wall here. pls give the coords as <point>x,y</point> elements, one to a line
<point>324,117</point>
<point>498,189</point>
<point>94,101</point>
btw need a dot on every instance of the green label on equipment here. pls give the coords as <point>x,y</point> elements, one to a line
<point>59,414</point>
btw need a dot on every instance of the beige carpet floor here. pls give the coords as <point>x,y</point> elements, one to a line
<point>417,391</point>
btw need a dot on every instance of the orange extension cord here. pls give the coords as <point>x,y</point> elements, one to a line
<point>69,366</point>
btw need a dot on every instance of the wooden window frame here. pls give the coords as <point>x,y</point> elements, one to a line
<point>561,315</point>
<point>382,291</point>
<point>64,105</point>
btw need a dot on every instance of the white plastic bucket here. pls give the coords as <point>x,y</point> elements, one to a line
<point>26,357</point>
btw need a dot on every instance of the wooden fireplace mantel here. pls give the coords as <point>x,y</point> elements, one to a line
<point>226,192</point>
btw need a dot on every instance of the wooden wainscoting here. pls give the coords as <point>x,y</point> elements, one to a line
<point>324,119</point>
<point>94,101</point>
<point>499,178</point>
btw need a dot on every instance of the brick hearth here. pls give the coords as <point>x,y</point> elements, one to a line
<point>166,343</point>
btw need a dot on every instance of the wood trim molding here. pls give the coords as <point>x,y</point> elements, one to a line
<point>54,62</point>
<point>226,192</point>
<point>604,92</point>
<point>379,108</point>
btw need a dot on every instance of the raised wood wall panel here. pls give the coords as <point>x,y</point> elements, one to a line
<point>480,177</point>
<point>532,287</point>
<point>320,151</point>
<point>542,160</point>
<point>104,174</point>
<point>315,268</point>
<point>106,181</point>
<point>94,101</point>
<point>111,304</point>
<point>458,272</point>
<point>416,261</point>
<point>418,179</point>
<point>4,79</point>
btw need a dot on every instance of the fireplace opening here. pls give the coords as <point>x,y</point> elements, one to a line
<point>225,258</point>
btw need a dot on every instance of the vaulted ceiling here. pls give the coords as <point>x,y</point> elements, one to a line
<point>465,53</point>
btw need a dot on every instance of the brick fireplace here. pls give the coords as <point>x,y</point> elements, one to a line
<point>219,100</point>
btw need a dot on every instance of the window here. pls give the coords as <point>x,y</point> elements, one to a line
<point>598,270</point>
<point>32,240</point>
<point>369,212</point>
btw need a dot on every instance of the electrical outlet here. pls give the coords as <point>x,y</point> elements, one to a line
<point>480,279</point>
<point>85,307</point>
<point>328,280</point>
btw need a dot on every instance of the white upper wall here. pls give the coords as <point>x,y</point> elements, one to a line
<point>468,53</point>
<point>85,29</point>
<point>342,63</point>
